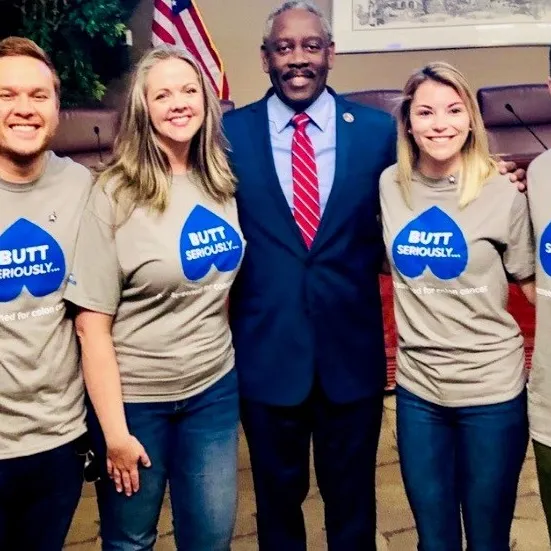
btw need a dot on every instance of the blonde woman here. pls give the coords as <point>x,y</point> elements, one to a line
<point>158,249</point>
<point>455,231</point>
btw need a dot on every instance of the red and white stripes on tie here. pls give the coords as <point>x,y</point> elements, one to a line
<point>306,201</point>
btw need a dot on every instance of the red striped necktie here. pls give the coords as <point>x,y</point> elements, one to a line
<point>306,201</point>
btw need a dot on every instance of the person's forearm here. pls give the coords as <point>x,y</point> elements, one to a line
<point>101,374</point>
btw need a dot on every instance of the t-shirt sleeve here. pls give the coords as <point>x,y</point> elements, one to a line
<point>519,254</point>
<point>95,282</point>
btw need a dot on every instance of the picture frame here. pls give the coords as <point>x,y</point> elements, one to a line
<point>400,25</point>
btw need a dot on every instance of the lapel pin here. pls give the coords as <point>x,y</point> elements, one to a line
<point>348,117</point>
<point>53,217</point>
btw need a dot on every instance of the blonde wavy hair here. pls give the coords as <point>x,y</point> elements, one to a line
<point>477,165</point>
<point>139,171</point>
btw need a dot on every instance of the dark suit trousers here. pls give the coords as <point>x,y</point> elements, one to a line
<point>345,438</point>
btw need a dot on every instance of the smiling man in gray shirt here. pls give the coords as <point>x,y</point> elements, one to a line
<point>41,389</point>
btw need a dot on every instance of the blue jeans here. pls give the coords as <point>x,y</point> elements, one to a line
<point>38,497</point>
<point>192,445</point>
<point>461,460</point>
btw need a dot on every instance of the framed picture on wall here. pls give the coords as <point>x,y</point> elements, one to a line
<point>390,25</point>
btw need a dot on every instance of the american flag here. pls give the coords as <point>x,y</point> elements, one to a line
<point>179,22</point>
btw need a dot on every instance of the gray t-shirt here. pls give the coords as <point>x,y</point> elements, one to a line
<point>41,388</point>
<point>165,278</point>
<point>539,384</point>
<point>457,343</point>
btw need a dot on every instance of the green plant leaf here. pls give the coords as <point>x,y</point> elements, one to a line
<point>79,35</point>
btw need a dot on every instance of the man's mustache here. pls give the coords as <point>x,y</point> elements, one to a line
<point>306,73</point>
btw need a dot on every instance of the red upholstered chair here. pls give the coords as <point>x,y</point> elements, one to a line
<point>386,100</point>
<point>510,139</point>
<point>507,136</point>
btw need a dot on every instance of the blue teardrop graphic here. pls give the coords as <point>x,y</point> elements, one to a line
<point>432,240</point>
<point>208,240</point>
<point>29,257</point>
<point>545,250</point>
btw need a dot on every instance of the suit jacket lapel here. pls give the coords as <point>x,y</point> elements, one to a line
<point>266,167</point>
<point>344,126</point>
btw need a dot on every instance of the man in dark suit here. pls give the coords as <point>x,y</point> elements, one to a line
<point>305,308</point>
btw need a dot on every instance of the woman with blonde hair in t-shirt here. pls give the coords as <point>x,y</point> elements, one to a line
<point>158,249</point>
<point>455,231</point>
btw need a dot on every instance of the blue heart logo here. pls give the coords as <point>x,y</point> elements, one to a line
<point>29,257</point>
<point>432,240</point>
<point>545,250</point>
<point>208,240</point>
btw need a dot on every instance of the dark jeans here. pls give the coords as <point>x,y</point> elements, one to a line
<point>345,438</point>
<point>543,466</point>
<point>38,497</point>
<point>461,460</point>
<point>192,445</point>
